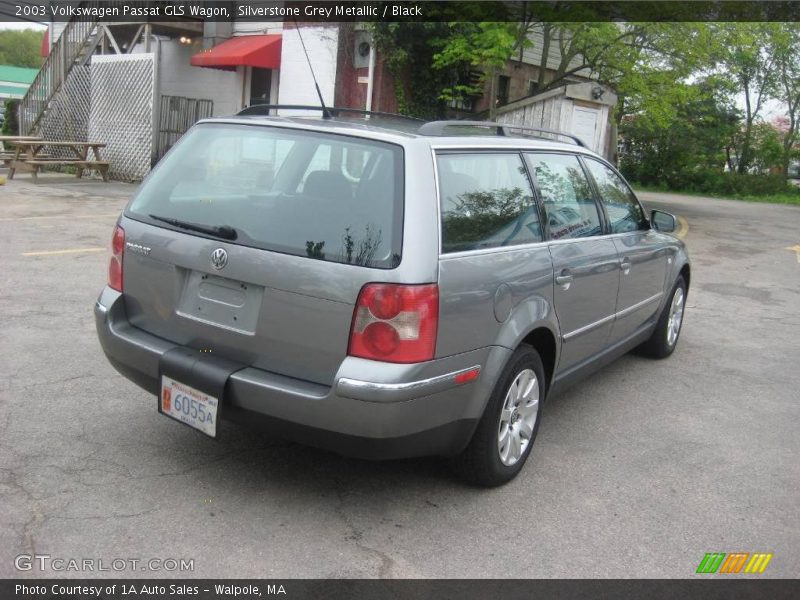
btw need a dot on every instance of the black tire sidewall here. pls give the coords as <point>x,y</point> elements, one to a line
<point>485,440</point>
<point>665,348</point>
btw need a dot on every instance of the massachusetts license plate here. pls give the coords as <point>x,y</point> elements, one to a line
<point>189,405</point>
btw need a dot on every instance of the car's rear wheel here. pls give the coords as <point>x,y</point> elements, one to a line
<point>665,336</point>
<point>504,437</point>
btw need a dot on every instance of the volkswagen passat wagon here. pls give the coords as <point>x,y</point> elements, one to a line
<point>383,288</point>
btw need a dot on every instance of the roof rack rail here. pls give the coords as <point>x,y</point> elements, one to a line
<point>440,127</point>
<point>327,111</point>
<point>436,128</point>
<point>578,141</point>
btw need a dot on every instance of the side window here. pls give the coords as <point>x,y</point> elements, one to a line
<point>624,210</point>
<point>487,202</point>
<point>566,195</point>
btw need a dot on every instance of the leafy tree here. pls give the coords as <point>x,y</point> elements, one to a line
<point>741,54</point>
<point>434,60</point>
<point>409,49</point>
<point>486,46</point>
<point>10,125</point>
<point>665,151</point>
<point>784,45</point>
<point>21,48</point>
<point>767,148</point>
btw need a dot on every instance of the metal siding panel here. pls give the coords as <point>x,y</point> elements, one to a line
<point>566,115</point>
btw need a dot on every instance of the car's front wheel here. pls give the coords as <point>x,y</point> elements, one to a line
<point>504,437</point>
<point>665,336</point>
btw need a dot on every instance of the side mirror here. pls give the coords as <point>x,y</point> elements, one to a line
<point>663,221</point>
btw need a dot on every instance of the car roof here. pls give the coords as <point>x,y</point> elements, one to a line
<point>399,130</point>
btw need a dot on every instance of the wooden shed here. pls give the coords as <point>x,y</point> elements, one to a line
<point>582,109</point>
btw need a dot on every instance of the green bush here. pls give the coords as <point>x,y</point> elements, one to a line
<point>715,182</point>
<point>10,125</point>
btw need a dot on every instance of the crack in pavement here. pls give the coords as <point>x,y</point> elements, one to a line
<point>387,563</point>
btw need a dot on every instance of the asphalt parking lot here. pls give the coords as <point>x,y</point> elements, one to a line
<point>637,472</point>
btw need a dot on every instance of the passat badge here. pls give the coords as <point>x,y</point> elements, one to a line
<point>137,248</point>
<point>219,258</point>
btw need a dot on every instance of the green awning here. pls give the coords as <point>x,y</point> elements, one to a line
<point>11,91</point>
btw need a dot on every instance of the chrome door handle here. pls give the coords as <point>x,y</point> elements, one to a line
<point>564,279</point>
<point>625,265</point>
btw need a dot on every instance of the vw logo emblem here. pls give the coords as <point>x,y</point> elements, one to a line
<point>219,258</point>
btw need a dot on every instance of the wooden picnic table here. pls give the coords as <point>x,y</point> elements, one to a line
<point>28,156</point>
<point>11,139</point>
<point>14,138</point>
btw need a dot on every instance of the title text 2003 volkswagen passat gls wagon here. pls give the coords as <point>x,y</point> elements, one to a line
<point>383,288</point>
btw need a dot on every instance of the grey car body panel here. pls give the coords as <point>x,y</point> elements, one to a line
<point>136,354</point>
<point>585,305</point>
<point>468,290</point>
<point>300,322</point>
<point>641,283</point>
<point>294,314</point>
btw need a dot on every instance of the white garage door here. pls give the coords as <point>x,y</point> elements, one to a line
<point>584,125</point>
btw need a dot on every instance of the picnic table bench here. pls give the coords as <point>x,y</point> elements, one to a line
<point>28,156</point>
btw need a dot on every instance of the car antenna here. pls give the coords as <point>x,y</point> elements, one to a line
<point>326,114</point>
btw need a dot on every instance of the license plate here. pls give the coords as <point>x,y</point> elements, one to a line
<point>189,405</point>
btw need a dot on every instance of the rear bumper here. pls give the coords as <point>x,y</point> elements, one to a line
<point>402,411</point>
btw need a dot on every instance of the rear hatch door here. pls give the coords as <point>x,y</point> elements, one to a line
<point>252,243</point>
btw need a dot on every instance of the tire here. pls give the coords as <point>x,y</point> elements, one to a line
<point>664,339</point>
<point>488,462</point>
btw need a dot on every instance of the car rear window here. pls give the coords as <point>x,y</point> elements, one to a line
<point>328,197</point>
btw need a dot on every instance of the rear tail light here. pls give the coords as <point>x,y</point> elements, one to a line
<point>395,323</point>
<point>115,264</point>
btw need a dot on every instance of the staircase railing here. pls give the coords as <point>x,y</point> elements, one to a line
<point>63,55</point>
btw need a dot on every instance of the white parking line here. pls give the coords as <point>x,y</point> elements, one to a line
<point>684,228</point>
<point>70,251</point>
<point>65,217</point>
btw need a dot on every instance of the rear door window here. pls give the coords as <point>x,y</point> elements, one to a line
<point>487,202</point>
<point>327,197</point>
<point>566,195</point>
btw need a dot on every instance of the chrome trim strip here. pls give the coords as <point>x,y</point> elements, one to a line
<point>513,144</point>
<point>371,391</point>
<point>438,200</point>
<point>496,249</point>
<point>587,328</point>
<point>633,308</point>
<point>618,315</point>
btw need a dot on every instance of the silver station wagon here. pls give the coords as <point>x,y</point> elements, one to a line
<point>384,287</point>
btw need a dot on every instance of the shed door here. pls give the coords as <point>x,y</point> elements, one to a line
<point>584,125</point>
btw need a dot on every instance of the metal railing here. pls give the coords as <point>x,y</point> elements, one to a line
<point>63,55</point>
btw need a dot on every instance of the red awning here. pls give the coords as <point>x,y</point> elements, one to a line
<point>262,51</point>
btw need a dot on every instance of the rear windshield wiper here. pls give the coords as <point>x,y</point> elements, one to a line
<point>225,232</point>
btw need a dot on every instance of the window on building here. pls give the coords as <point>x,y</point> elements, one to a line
<point>503,88</point>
